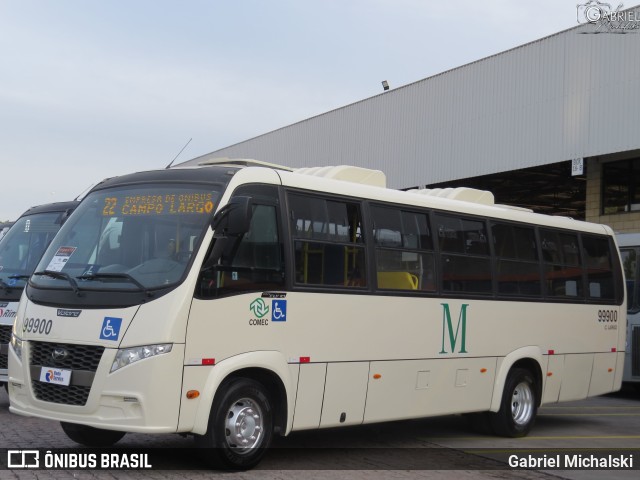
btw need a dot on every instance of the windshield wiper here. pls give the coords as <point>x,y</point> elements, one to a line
<point>63,276</point>
<point>19,277</point>
<point>8,288</point>
<point>126,276</point>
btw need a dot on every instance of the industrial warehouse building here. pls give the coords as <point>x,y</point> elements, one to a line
<point>514,123</point>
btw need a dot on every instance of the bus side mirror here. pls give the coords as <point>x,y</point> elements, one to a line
<point>230,223</point>
<point>234,218</point>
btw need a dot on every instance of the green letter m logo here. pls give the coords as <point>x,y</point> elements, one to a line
<point>448,326</point>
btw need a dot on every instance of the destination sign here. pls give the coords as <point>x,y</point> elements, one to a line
<point>160,204</point>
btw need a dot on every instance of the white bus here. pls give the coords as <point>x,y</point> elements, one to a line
<point>629,244</point>
<point>313,298</point>
<point>20,251</point>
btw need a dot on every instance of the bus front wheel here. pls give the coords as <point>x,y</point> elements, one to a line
<point>518,407</point>
<point>91,436</point>
<point>240,426</point>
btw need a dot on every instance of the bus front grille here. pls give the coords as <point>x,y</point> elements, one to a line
<point>82,360</point>
<point>66,395</point>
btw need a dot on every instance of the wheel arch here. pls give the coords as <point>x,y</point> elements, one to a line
<point>269,369</point>
<point>275,388</point>
<point>528,358</point>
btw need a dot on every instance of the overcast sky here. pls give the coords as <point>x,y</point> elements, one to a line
<point>96,88</point>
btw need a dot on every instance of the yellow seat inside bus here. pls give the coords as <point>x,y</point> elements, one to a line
<point>397,280</point>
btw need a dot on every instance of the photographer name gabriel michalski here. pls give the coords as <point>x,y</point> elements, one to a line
<point>573,461</point>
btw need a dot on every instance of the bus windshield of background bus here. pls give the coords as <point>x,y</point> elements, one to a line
<point>22,247</point>
<point>128,238</point>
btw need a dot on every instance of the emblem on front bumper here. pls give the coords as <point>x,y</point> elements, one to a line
<point>59,354</point>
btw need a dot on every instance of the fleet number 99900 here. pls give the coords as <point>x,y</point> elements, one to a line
<point>35,325</point>
<point>607,315</point>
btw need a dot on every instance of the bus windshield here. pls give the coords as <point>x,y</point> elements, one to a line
<point>129,238</point>
<point>22,247</point>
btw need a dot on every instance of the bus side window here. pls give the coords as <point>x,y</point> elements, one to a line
<point>404,250</point>
<point>258,261</point>
<point>465,261</point>
<point>597,258</point>
<point>518,270</point>
<point>562,268</point>
<point>328,242</point>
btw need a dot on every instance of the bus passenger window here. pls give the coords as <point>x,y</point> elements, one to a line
<point>404,250</point>
<point>562,269</point>
<point>597,256</point>
<point>518,271</point>
<point>465,262</point>
<point>328,242</point>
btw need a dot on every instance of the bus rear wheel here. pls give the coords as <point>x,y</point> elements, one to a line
<point>240,426</point>
<point>518,407</point>
<point>91,436</point>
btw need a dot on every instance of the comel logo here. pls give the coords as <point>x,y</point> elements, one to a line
<point>259,307</point>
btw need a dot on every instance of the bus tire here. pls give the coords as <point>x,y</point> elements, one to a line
<point>91,436</point>
<point>240,426</point>
<point>518,407</point>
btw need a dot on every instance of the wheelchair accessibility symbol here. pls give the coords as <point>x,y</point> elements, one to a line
<point>279,310</point>
<point>110,328</point>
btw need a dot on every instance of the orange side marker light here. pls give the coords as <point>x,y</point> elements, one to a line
<point>191,394</point>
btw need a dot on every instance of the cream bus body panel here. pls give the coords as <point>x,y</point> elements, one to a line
<point>412,352</point>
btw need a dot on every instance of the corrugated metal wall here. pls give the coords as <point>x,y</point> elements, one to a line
<point>565,96</point>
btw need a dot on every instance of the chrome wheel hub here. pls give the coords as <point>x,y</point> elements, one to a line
<point>522,403</point>
<point>244,425</point>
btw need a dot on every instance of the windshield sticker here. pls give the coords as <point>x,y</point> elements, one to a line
<point>110,328</point>
<point>91,270</point>
<point>60,259</point>
<point>167,204</point>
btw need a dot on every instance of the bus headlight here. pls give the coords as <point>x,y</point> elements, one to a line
<point>16,344</point>
<point>127,356</point>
